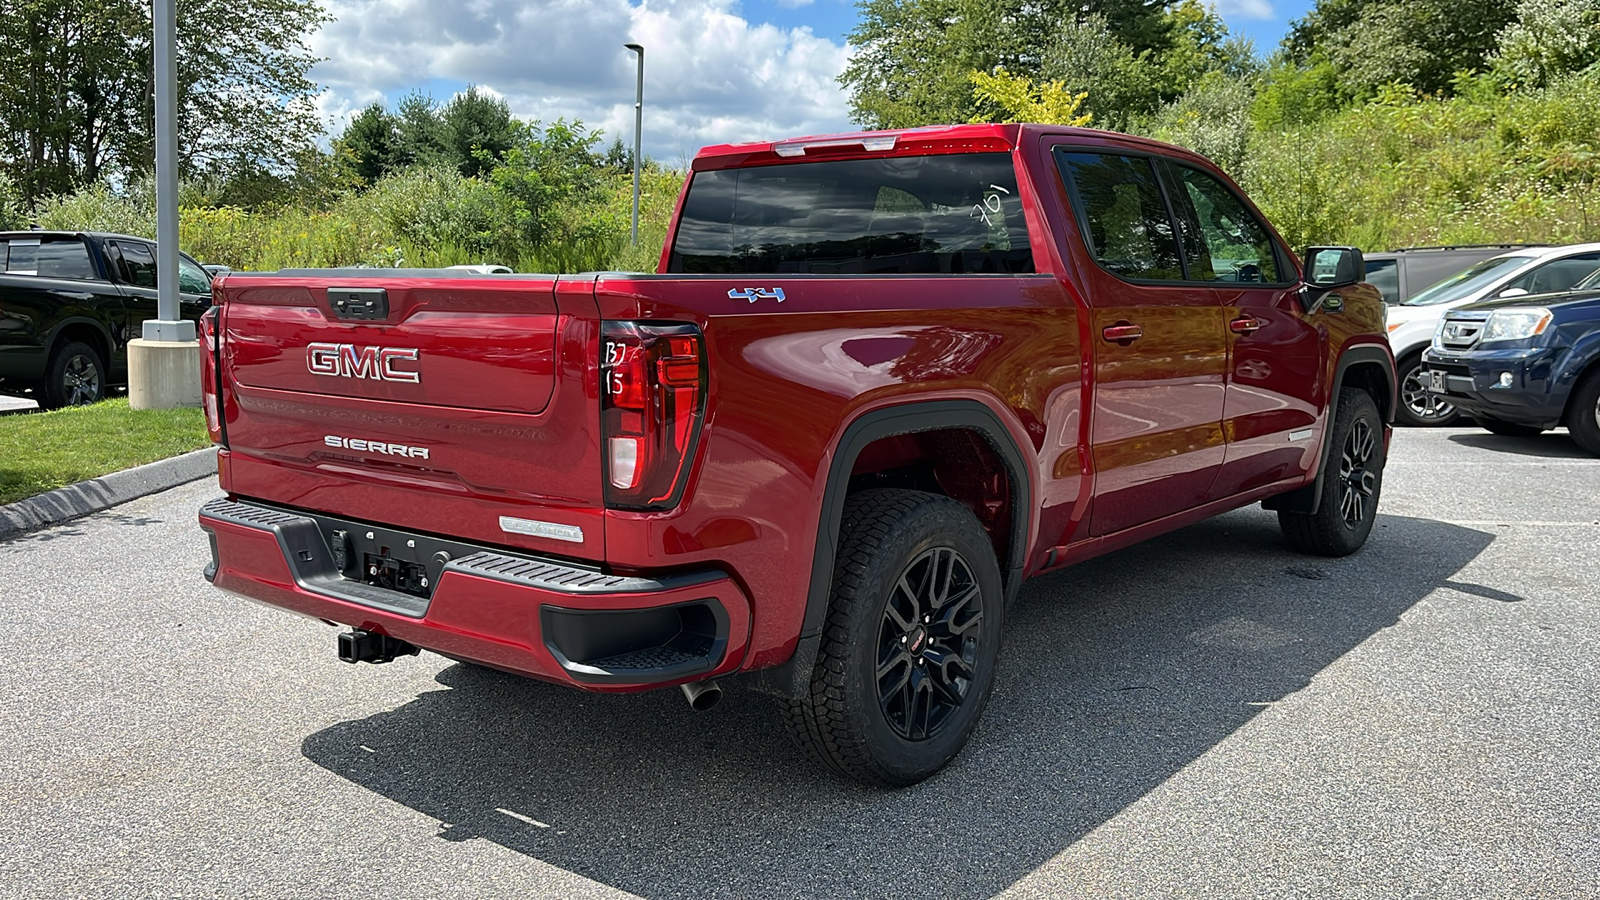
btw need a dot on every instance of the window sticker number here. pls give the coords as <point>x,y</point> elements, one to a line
<point>615,354</point>
<point>990,205</point>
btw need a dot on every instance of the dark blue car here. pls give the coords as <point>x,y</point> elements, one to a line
<point>1522,365</point>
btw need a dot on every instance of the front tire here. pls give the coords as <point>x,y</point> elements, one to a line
<point>1583,419</point>
<point>1351,484</point>
<point>1419,406</point>
<point>75,376</point>
<point>911,643</point>
<point>1508,429</point>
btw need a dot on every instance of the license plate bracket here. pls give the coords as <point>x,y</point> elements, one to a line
<point>1436,381</point>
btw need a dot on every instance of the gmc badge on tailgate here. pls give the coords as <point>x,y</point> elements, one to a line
<point>350,361</point>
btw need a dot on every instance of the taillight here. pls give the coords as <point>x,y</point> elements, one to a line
<point>211,375</point>
<point>652,402</point>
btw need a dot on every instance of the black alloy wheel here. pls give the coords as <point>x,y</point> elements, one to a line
<point>1347,506</point>
<point>1358,482</point>
<point>1418,405</point>
<point>911,641</point>
<point>928,645</point>
<point>75,376</point>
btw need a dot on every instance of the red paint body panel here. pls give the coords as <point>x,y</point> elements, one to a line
<point>483,463</point>
<point>1119,442</point>
<point>469,617</point>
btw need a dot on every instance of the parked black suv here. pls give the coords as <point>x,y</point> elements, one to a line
<point>69,304</point>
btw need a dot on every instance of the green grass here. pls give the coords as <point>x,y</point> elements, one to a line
<point>43,451</point>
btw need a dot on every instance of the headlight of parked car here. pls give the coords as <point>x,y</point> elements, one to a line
<point>1515,324</point>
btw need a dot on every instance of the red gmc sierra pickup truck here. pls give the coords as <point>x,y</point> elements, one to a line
<point>879,380</point>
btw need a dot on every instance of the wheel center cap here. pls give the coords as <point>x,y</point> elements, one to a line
<point>919,639</point>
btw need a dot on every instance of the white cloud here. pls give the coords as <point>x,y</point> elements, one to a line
<point>710,75</point>
<point>1246,9</point>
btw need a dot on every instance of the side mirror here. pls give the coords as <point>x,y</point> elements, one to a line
<point>1327,269</point>
<point>1514,292</point>
<point>1333,267</point>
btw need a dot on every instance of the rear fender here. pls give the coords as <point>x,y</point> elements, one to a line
<point>793,678</point>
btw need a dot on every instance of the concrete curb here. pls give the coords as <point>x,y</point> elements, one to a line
<point>94,495</point>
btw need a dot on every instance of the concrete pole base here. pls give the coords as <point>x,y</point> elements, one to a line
<point>163,374</point>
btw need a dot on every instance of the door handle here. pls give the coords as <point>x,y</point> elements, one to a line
<point>1122,333</point>
<point>1246,324</point>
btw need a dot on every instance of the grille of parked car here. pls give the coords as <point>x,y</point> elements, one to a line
<point>1459,333</point>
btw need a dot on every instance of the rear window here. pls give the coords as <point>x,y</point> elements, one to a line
<point>47,259</point>
<point>956,214</point>
<point>1384,274</point>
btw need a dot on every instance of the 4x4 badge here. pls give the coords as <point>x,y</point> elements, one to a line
<point>754,294</point>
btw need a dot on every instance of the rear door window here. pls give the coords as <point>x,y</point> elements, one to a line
<point>1557,275</point>
<point>955,214</point>
<point>1232,244</point>
<point>66,258</point>
<point>1123,214</point>
<point>138,265</point>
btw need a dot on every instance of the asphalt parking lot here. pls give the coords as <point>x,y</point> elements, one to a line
<point>1205,715</point>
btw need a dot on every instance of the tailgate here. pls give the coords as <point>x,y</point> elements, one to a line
<point>442,402</point>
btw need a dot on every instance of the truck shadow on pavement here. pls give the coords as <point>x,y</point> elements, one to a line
<point>1116,674</point>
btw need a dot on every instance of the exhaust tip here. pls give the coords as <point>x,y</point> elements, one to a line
<point>702,695</point>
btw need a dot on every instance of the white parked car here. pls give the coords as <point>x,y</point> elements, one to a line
<point>1534,270</point>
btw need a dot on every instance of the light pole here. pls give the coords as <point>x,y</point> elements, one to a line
<point>163,366</point>
<point>638,125</point>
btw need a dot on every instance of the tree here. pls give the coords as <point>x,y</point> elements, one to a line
<point>478,130</point>
<point>619,156</point>
<point>913,58</point>
<point>1550,38</point>
<point>372,140</point>
<point>1020,100</point>
<point>77,94</point>
<point>1420,43</point>
<point>420,129</point>
<point>1088,58</point>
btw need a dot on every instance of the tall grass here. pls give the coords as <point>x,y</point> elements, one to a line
<point>1482,167</point>
<point>421,218</point>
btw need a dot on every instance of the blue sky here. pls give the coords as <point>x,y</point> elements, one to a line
<point>1265,23</point>
<point>715,70</point>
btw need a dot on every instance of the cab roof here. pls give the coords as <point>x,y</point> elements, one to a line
<point>972,138</point>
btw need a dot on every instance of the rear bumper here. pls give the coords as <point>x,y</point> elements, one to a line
<point>1473,382</point>
<point>541,617</point>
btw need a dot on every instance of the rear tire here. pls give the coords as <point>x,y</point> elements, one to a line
<point>911,642</point>
<point>1418,406</point>
<point>1351,484</point>
<point>1583,418</point>
<point>1508,429</point>
<point>75,376</point>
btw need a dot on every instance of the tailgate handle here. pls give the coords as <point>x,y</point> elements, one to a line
<point>359,303</point>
